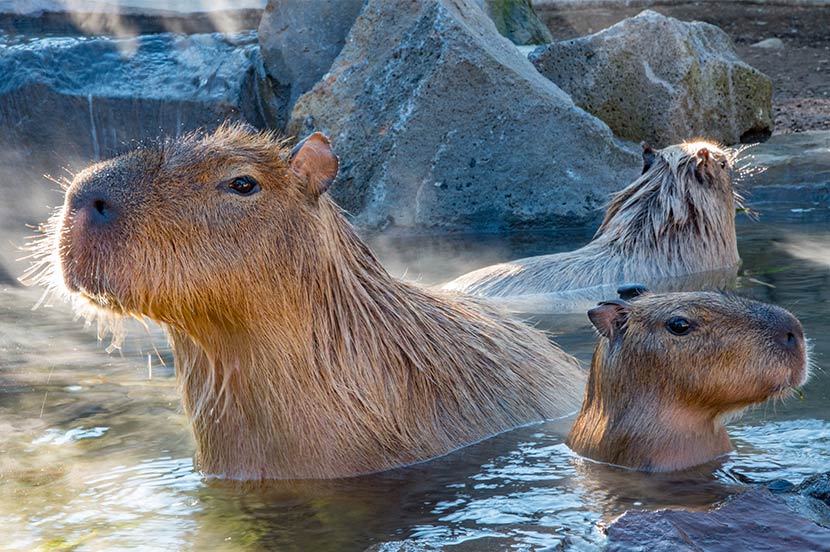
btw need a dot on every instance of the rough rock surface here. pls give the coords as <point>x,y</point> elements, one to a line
<point>755,520</point>
<point>661,80</point>
<point>109,92</point>
<point>300,39</point>
<point>787,160</point>
<point>517,20</point>
<point>441,122</point>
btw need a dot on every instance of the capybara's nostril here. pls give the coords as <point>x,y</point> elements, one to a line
<point>101,209</point>
<point>790,339</point>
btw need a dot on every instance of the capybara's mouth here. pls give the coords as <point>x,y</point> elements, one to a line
<point>85,267</point>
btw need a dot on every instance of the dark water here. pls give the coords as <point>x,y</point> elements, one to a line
<point>95,453</point>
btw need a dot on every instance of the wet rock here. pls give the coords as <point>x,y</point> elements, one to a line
<point>440,122</point>
<point>754,520</point>
<point>300,39</point>
<point>661,80</point>
<point>787,169</point>
<point>769,44</point>
<point>517,20</point>
<point>109,92</point>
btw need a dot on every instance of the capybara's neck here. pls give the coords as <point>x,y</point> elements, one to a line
<point>657,232</point>
<point>354,372</point>
<point>645,428</point>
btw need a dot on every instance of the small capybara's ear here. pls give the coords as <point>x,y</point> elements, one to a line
<point>703,154</point>
<point>648,157</point>
<point>314,162</point>
<point>609,317</point>
<point>627,292</point>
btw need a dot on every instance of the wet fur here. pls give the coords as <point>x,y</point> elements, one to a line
<point>658,402</point>
<point>677,219</point>
<point>297,354</point>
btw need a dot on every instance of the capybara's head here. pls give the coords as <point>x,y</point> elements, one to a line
<point>680,184</point>
<point>707,352</point>
<point>199,225</point>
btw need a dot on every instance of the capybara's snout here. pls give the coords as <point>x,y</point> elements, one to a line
<point>787,339</point>
<point>92,207</point>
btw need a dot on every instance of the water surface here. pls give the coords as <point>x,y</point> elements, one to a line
<point>95,453</point>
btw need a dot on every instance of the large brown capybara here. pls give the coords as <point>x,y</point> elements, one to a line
<point>671,368</point>
<point>297,354</point>
<point>677,219</point>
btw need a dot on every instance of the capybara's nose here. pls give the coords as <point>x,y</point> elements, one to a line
<point>95,207</point>
<point>789,335</point>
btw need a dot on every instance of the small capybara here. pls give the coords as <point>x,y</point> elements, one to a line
<point>677,219</point>
<point>297,354</point>
<point>670,368</point>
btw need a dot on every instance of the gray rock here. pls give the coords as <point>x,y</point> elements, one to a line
<point>754,520</point>
<point>109,92</point>
<point>769,44</point>
<point>441,122</point>
<point>785,162</point>
<point>517,20</point>
<point>661,80</point>
<point>300,39</point>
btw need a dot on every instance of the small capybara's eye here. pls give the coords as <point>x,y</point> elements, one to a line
<point>243,185</point>
<point>723,164</point>
<point>678,325</point>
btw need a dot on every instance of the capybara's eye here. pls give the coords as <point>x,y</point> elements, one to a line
<point>723,164</point>
<point>678,325</point>
<point>243,185</point>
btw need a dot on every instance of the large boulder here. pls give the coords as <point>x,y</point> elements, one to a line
<point>517,20</point>
<point>662,80</point>
<point>109,92</point>
<point>300,39</point>
<point>440,122</point>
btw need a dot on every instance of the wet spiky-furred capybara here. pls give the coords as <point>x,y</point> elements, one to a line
<point>677,219</point>
<point>671,368</point>
<point>297,354</point>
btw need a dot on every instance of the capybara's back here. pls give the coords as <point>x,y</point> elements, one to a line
<point>298,355</point>
<point>676,220</point>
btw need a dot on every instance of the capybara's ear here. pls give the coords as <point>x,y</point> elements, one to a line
<point>648,157</point>
<point>703,154</point>
<point>609,317</point>
<point>314,162</point>
<point>628,292</point>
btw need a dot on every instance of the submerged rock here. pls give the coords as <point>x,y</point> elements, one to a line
<point>754,520</point>
<point>661,80</point>
<point>109,92</point>
<point>300,39</point>
<point>517,20</point>
<point>441,122</point>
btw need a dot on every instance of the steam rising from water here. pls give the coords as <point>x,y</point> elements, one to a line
<point>815,248</point>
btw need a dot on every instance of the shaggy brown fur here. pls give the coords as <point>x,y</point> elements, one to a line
<point>678,218</point>
<point>298,355</point>
<point>657,401</point>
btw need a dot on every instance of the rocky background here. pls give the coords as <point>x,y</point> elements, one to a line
<point>448,115</point>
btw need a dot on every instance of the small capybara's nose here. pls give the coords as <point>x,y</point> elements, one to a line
<point>789,335</point>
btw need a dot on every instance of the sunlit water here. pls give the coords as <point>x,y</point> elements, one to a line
<point>95,453</point>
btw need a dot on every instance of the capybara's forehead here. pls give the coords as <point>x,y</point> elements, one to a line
<point>712,306</point>
<point>228,144</point>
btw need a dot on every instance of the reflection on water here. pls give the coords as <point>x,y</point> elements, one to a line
<point>95,453</point>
